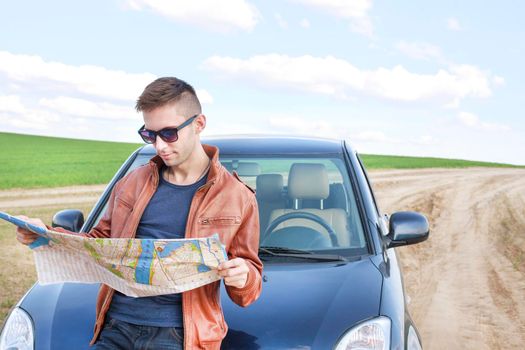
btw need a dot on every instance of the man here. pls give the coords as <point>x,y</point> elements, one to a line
<point>183,192</point>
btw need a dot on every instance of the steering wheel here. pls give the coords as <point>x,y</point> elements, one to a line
<point>303,215</point>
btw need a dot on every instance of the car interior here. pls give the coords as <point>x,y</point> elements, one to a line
<point>303,206</point>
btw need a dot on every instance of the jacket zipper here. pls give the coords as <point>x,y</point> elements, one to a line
<point>189,224</point>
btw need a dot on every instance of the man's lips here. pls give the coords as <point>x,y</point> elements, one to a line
<point>166,155</point>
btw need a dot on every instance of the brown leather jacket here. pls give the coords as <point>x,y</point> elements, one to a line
<point>223,205</point>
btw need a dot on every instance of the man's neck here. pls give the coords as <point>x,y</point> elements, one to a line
<point>190,171</point>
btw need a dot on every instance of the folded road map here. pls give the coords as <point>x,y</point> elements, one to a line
<point>135,267</point>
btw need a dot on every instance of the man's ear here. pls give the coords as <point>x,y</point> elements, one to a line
<point>200,123</point>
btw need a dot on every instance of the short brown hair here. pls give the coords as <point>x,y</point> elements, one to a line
<point>169,90</point>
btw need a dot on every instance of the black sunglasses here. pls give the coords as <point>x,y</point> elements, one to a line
<point>166,134</point>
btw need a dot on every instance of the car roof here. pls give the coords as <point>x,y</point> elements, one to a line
<point>268,144</point>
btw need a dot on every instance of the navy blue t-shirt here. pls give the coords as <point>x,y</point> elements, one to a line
<point>165,216</point>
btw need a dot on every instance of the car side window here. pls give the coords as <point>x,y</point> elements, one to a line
<point>363,169</point>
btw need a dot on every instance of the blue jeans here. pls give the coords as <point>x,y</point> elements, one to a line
<point>118,334</point>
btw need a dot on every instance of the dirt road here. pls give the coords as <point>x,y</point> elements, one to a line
<point>466,283</point>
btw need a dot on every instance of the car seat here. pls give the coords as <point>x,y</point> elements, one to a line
<point>269,194</point>
<point>309,181</point>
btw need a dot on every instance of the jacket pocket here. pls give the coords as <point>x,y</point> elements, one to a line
<point>220,220</point>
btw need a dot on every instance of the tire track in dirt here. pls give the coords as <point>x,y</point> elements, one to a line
<point>24,198</point>
<point>465,291</point>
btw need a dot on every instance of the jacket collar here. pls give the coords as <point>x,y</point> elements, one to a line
<point>211,151</point>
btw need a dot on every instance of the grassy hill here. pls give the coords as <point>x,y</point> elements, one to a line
<point>373,161</point>
<point>36,161</point>
<point>28,161</point>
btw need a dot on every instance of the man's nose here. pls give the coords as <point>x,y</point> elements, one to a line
<point>159,143</point>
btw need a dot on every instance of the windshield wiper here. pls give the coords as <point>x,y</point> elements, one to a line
<point>301,254</point>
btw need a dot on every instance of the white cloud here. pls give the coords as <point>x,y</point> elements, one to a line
<point>31,73</point>
<point>15,114</point>
<point>498,81</point>
<point>305,23</point>
<point>339,78</point>
<point>472,121</point>
<point>204,96</point>
<point>420,51</point>
<point>224,15</point>
<point>43,97</point>
<point>373,136</point>
<point>356,11</point>
<point>30,120</point>
<point>425,140</point>
<point>281,21</point>
<point>292,125</point>
<point>453,24</point>
<point>92,80</point>
<point>11,103</point>
<point>89,109</point>
<point>332,129</point>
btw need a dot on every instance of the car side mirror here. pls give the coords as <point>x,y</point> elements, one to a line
<point>70,219</point>
<point>407,227</point>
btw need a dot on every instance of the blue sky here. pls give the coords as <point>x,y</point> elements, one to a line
<point>442,78</point>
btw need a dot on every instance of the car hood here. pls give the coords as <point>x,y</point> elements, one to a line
<point>63,314</point>
<point>303,306</point>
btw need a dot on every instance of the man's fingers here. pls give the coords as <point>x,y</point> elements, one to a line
<point>20,232</point>
<point>232,263</point>
<point>234,280</point>
<point>37,222</point>
<point>25,236</point>
<point>25,232</point>
<point>26,239</point>
<point>228,264</point>
<point>234,271</point>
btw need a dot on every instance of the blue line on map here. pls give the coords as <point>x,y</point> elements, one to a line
<point>208,243</point>
<point>203,268</point>
<point>22,223</point>
<point>143,269</point>
<point>40,241</point>
<point>169,247</point>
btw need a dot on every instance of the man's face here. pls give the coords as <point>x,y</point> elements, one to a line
<point>178,152</point>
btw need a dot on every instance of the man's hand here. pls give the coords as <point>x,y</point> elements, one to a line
<point>235,272</point>
<point>25,236</point>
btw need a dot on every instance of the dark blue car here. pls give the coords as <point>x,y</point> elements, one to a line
<point>331,279</point>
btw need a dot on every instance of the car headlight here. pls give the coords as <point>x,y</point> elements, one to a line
<point>370,335</point>
<point>18,332</point>
<point>413,340</point>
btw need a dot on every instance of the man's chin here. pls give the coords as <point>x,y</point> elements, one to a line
<point>171,161</point>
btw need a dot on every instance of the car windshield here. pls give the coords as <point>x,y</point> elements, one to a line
<point>306,204</point>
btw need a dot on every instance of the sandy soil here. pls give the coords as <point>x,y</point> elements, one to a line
<point>466,283</point>
<point>22,198</point>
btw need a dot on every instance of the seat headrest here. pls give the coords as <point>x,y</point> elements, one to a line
<point>248,169</point>
<point>308,181</point>
<point>269,187</point>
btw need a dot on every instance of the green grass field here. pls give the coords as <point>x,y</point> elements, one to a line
<point>400,162</point>
<point>28,161</point>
